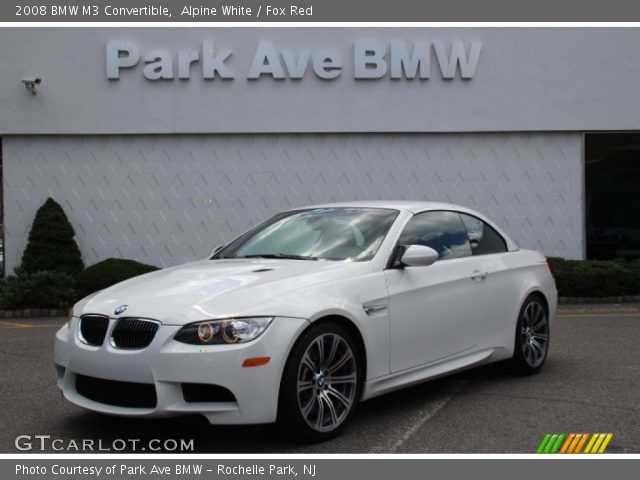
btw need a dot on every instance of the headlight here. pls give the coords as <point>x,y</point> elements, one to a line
<point>223,332</point>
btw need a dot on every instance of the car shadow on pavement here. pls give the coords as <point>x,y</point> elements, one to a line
<point>372,429</point>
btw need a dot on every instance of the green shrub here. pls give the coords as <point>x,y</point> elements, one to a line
<point>51,246</point>
<point>43,289</point>
<point>108,272</point>
<point>596,278</point>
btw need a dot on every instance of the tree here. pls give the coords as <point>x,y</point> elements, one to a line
<point>51,245</point>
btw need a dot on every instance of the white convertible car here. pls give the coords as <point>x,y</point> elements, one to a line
<point>308,313</point>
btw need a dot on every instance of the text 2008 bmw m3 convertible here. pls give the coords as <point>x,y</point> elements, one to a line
<point>308,313</point>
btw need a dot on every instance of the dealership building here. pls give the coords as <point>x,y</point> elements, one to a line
<point>160,143</point>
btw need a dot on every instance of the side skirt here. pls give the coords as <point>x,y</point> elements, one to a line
<point>479,356</point>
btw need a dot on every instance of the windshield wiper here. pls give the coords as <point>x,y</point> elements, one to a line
<point>285,256</point>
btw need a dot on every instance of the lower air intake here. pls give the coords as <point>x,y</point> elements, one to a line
<point>116,393</point>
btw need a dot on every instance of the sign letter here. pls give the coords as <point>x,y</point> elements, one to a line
<point>410,62</point>
<point>266,62</point>
<point>368,59</point>
<point>121,55</point>
<point>212,65</point>
<point>158,65</point>
<point>458,56</point>
<point>327,64</point>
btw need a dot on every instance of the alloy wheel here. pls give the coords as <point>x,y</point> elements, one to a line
<point>534,334</point>
<point>327,382</point>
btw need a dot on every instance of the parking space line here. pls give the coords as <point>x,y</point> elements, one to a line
<point>14,325</point>
<point>428,410</point>
<point>4,324</point>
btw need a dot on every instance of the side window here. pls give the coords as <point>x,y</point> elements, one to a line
<point>442,231</point>
<point>482,237</point>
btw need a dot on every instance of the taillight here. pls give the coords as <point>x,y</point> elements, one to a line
<point>550,265</point>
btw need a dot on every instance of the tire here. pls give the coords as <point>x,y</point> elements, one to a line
<point>321,384</point>
<point>531,337</point>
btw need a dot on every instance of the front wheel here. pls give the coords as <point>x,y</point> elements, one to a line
<point>532,336</point>
<point>321,384</point>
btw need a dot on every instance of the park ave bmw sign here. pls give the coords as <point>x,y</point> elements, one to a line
<point>369,59</point>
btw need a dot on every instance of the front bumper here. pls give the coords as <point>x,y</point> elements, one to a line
<point>167,364</point>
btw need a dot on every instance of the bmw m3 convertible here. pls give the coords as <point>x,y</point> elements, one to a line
<point>308,313</point>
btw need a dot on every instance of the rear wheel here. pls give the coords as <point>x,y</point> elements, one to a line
<point>321,384</point>
<point>532,336</point>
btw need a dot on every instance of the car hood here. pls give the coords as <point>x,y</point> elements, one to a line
<point>216,289</point>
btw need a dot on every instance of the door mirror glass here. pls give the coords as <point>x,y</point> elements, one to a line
<point>419,256</point>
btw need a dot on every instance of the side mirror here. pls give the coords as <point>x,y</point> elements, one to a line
<point>418,256</point>
<point>215,250</point>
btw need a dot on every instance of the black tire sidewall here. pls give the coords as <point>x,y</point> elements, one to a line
<point>290,419</point>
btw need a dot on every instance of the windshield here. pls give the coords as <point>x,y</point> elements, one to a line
<point>353,234</point>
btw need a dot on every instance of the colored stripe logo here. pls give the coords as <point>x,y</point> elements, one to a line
<point>574,443</point>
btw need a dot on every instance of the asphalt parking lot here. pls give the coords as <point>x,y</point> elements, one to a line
<point>591,383</point>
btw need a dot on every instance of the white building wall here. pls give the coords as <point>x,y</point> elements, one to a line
<point>167,199</point>
<point>527,79</point>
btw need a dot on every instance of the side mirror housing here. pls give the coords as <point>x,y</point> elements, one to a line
<point>418,256</point>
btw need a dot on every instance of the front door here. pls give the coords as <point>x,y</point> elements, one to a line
<point>436,311</point>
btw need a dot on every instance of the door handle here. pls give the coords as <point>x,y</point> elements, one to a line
<point>478,276</point>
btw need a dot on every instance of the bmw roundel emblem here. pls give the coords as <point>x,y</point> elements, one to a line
<point>120,309</point>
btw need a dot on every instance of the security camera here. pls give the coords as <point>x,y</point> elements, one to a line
<point>30,84</point>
